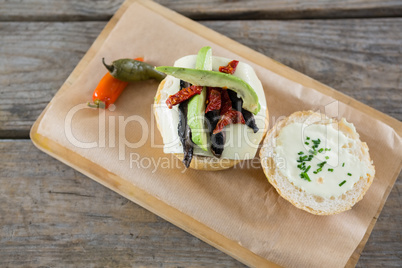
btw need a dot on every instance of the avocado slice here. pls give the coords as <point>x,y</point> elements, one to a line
<point>196,105</point>
<point>204,59</point>
<point>217,79</point>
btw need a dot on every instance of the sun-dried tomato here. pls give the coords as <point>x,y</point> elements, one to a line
<point>228,114</point>
<point>183,95</point>
<point>230,117</point>
<point>226,102</point>
<point>230,68</point>
<point>213,99</point>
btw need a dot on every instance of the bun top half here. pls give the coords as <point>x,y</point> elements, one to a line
<point>318,164</point>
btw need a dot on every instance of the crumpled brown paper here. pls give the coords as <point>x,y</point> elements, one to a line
<point>238,203</point>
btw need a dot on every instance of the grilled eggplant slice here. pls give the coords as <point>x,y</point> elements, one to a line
<point>237,104</point>
<point>217,140</point>
<point>184,130</point>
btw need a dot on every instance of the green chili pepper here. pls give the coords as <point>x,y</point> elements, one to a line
<point>129,70</point>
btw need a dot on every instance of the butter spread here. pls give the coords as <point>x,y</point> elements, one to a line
<point>241,142</point>
<point>319,159</point>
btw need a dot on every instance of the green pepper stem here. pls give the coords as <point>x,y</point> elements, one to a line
<point>97,104</point>
<point>92,105</point>
<point>110,68</point>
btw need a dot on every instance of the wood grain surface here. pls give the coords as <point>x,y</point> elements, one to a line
<point>363,61</point>
<point>63,10</point>
<point>52,216</point>
<point>36,59</point>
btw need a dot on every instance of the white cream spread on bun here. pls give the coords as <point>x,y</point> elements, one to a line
<point>317,163</point>
<point>319,159</point>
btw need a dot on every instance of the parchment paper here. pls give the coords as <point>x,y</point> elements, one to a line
<point>238,203</point>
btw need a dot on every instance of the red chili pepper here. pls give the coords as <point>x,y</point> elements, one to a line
<point>183,95</point>
<point>108,90</point>
<point>230,117</point>
<point>230,68</point>
<point>213,99</point>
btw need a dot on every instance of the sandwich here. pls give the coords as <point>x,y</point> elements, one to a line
<point>211,111</point>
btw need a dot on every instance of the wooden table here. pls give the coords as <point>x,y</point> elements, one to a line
<point>50,215</point>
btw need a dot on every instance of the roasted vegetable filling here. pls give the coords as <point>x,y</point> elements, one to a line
<point>223,108</point>
<point>205,109</point>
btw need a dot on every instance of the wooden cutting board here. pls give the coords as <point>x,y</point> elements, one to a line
<point>154,204</point>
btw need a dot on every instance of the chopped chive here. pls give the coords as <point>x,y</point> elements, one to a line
<point>322,164</point>
<point>331,170</point>
<point>327,157</point>
<point>302,159</point>
<point>306,143</point>
<point>308,138</point>
<point>349,174</point>
<point>300,153</point>
<point>302,166</point>
<point>307,169</point>
<point>342,183</point>
<point>320,151</point>
<point>304,175</point>
<point>343,164</point>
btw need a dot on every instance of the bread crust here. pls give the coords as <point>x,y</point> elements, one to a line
<point>313,204</point>
<point>202,162</point>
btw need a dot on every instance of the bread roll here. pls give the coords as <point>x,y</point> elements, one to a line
<point>316,163</point>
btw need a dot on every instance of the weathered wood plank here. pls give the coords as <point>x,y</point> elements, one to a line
<point>50,215</point>
<point>35,60</point>
<point>361,58</point>
<point>358,57</point>
<point>62,10</point>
